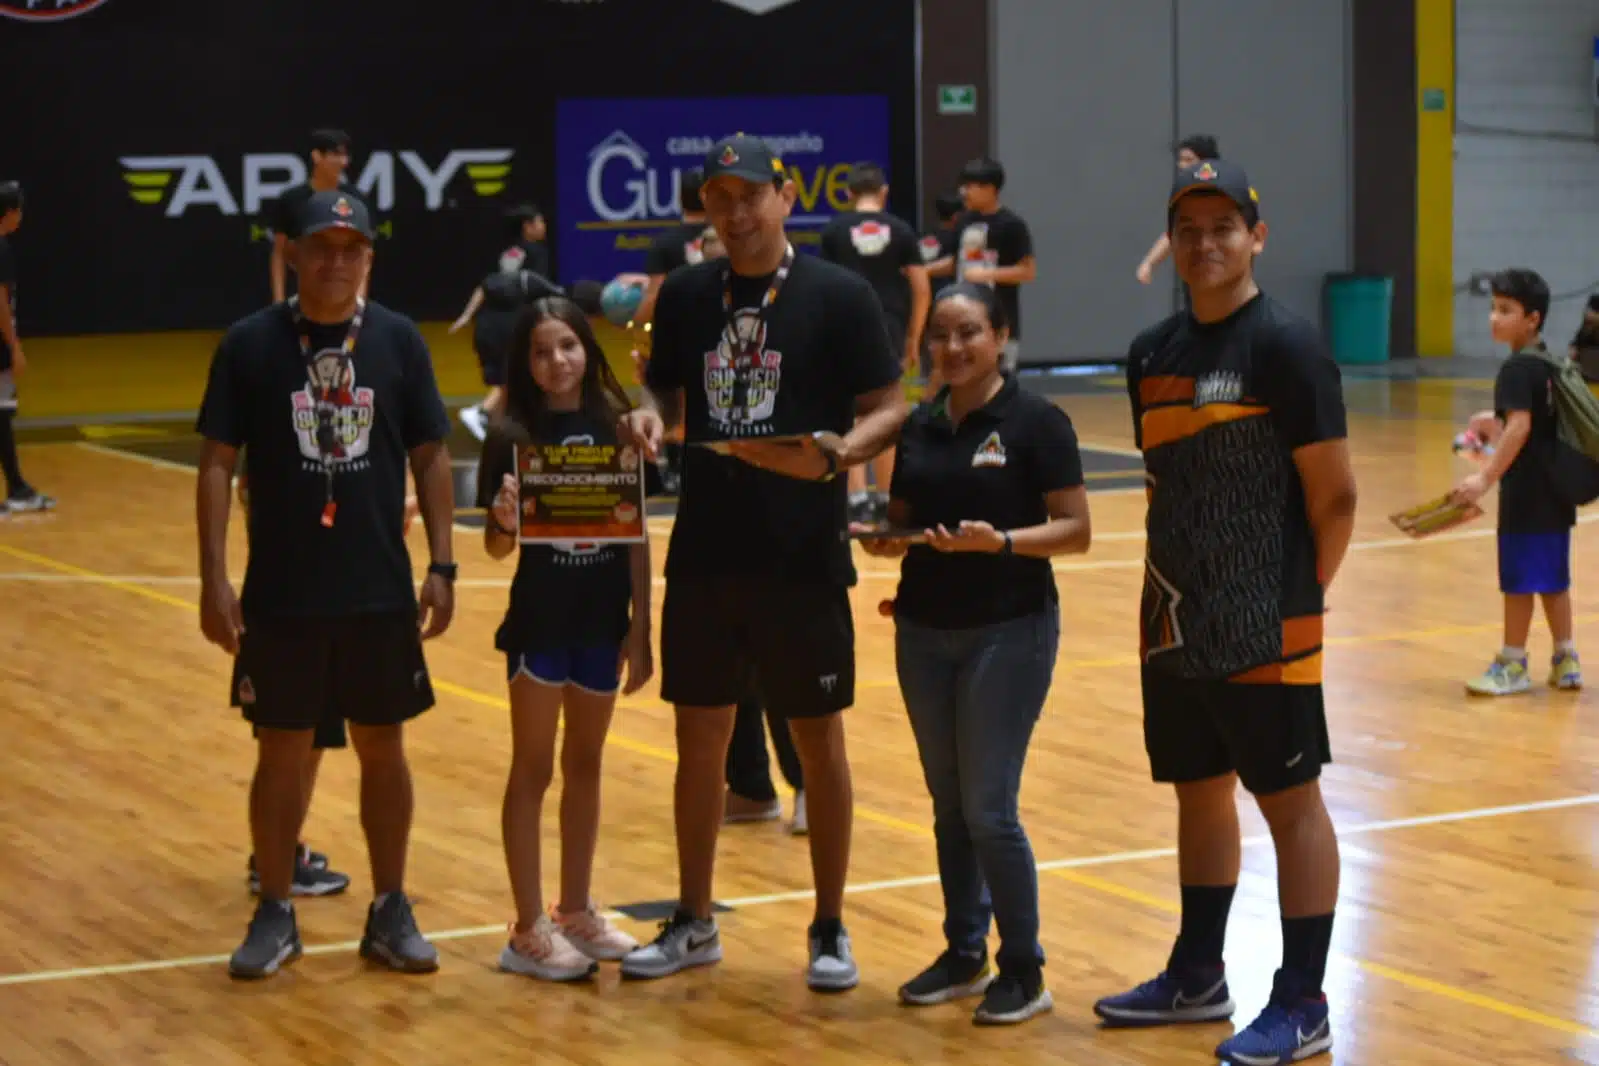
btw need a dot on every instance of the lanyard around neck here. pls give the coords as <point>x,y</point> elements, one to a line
<point>323,389</point>
<point>745,353</point>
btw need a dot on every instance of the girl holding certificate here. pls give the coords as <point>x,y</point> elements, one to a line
<point>988,486</point>
<point>578,621</point>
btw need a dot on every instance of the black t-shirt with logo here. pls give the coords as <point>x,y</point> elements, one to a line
<point>822,345</point>
<point>283,214</point>
<point>1000,239</point>
<point>259,398</point>
<point>935,245</point>
<point>567,595</point>
<point>1528,500</point>
<point>878,246</point>
<point>8,278</point>
<point>526,255</point>
<point>995,467</point>
<point>679,245</point>
<point>1231,589</point>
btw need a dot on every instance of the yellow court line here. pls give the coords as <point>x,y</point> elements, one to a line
<point>626,743</point>
<point>1098,884</point>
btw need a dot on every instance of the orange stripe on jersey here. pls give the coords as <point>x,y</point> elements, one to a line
<point>1301,663</point>
<point>1306,671</point>
<point>1163,425</point>
<point>1164,388</point>
<point>1302,634</point>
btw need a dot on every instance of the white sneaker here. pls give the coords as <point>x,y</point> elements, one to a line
<point>592,933</point>
<point>542,952</point>
<point>832,967</point>
<point>683,942</point>
<point>801,824</point>
<point>472,418</point>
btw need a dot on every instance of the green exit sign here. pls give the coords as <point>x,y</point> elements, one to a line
<point>957,99</point>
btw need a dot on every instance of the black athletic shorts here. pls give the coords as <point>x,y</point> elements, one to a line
<point>318,673</point>
<point>1273,736</point>
<point>794,642</point>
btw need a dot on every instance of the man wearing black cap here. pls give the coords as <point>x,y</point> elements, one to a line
<point>759,353</point>
<point>331,396</point>
<point>1239,412</point>
<point>330,156</point>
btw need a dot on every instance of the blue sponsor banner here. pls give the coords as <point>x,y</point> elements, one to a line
<point>618,163</point>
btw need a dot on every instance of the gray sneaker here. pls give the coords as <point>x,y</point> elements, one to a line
<point>272,940</point>
<point>392,938</point>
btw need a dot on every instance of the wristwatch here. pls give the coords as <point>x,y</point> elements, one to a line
<point>1009,547</point>
<point>445,570</point>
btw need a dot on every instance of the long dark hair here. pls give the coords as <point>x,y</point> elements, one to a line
<point>526,410</point>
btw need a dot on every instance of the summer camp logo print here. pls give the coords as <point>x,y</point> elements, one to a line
<point>46,10</point>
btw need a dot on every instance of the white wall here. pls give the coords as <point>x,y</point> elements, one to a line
<point>1526,155</point>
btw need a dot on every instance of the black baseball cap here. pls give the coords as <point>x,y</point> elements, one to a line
<point>743,156</point>
<point>1218,177</point>
<point>335,210</point>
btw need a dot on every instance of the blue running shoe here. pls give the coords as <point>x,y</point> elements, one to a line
<point>1291,1028</point>
<point>1170,1000</point>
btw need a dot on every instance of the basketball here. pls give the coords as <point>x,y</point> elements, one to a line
<point>620,301</point>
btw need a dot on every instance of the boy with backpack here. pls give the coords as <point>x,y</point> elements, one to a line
<point>1541,482</point>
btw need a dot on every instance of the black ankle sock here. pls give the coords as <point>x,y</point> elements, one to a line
<point>1306,942</point>
<point>15,486</point>
<point>1204,930</point>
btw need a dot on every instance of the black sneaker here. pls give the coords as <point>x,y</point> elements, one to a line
<point>953,976</point>
<point>311,876</point>
<point>1014,997</point>
<point>272,940</point>
<point>393,939</point>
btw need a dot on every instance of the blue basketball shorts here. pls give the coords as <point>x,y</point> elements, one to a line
<point>1532,563</point>
<point>594,668</point>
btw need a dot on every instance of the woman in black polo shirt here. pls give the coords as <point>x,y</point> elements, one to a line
<point>990,474</point>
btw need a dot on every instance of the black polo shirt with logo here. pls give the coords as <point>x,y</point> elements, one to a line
<point>260,399</point>
<point>1231,589</point>
<point>996,466</point>
<point>821,345</point>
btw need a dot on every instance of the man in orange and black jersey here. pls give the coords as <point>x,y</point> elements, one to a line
<point>1239,412</point>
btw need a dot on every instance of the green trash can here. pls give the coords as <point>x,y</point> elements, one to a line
<point>1357,314</point>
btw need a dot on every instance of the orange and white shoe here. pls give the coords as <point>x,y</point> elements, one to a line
<point>593,934</point>
<point>543,953</point>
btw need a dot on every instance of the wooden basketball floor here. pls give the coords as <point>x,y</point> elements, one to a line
<point>1468,929</point>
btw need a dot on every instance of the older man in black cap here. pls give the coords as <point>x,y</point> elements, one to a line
<point>331,395</point>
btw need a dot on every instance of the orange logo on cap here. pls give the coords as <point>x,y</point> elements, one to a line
<point>343,208</point>
<point>729,157</point>
<point>1206,172</point>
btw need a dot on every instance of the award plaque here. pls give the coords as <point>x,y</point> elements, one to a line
<point>580,491</point>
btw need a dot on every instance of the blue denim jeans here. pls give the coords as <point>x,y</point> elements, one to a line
<point>973,696</point>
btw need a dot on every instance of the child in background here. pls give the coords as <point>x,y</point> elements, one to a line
<point>1534,522</point>
<point>579,616</point>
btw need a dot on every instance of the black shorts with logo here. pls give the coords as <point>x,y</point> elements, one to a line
<point>1273,736</point>
<point>793,641</point>
<point>318,673</point>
